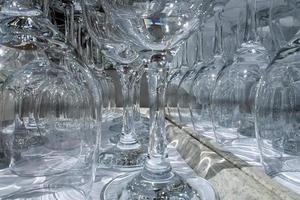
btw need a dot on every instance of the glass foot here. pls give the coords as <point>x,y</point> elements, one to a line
<point>135,187</point>
<point>122,158</point>
<point>141,125</point>
<point>142,134</point>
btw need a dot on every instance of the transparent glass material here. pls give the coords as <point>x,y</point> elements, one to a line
<point>76,33</point>
<point>174,79</point>
<point>156,27</point>
<point>184,87</point>
<point>277,113</point>
<point>50,110</point>
<point>233,98</point>
<point>19,46</point>
<point>205,79</point>
<point>128,152</point>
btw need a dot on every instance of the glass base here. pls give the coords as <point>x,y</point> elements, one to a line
<point>142,133</point>
<point>115,157</point>
<point>65,193</point>
<point>135,187</point>
<point>142,124</point>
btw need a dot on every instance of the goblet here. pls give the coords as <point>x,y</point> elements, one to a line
<point>21,25</point>
<point>50,109</point>
<point>204,81</point>
<point>183,65</point>
<point>277,116</point>
<point>184,87</point>
<point>76,33</point>
<point>234,94</point>
<point>155,27</point>
<point>129,152</point>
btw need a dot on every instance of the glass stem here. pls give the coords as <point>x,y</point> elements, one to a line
<point>200,47</point>
<point>137,111</point>
<point>46,8</point>
<point>250,29</point>
<point>137,88</point>
<point>69,23</point>
<point>157,167</point>
<point>218,44</point>
<point>128,138</point>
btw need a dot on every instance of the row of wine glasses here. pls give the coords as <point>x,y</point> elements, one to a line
<point>59,125</point>
<point>52,101</point>
<point>246,102</point>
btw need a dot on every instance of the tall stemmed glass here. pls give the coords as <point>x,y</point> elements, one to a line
<point>277,115</point>
<point>184,87</point>
<point>176,73</point>
<point>155,27</point>
<point>50,109</point>
<point>128,152</point>
<point>205,79</point>
<point>234,94</point>
<point>76,32</point>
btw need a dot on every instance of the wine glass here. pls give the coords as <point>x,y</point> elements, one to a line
<point>77,34</point>
<point>15,51</point>
<point>129,152</point>
<point>276,115</point>
<point>234,94</point>
<point>183,65</point>
<point>204,80</point>
<point>155,27</point>
<point>50,109</point>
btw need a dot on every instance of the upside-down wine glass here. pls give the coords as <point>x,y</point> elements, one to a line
<point>76,32</point>
<point>14,57</point>
<point>277,116</point>
<point>50,110</point>
<point>234,93</point>
<point>175,74</point>
<point>156,27</point>
<point>205,79</point>
<point>129,152</point>
<point>185,84</point>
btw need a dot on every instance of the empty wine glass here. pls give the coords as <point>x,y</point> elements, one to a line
<point>184,87</point>
<point>18,43</point>
<point>76,33</point>
<point>129,152</point>
<point>59,140</point>
<point>277,116</point>
<point>234,93</point>
<point>155,27</point>
<point>205,79</point>
<point>50,110</point>
<point>186,56</point>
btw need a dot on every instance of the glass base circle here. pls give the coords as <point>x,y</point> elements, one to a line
<point>142,135</point>
<point>135,187</point>
<point>143,124</point>
<point>65,193</point>
<point>124,159</point>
